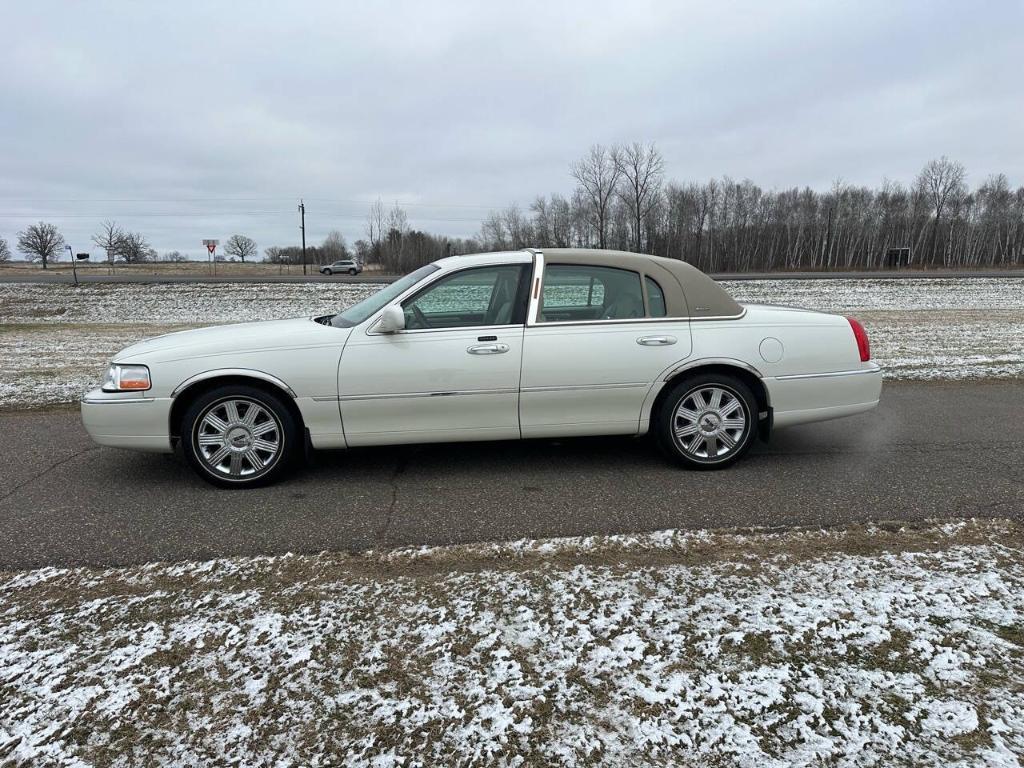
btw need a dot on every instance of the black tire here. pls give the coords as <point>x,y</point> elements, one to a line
<point>326,272</point>
<point>273,424</point>
<point>353,272</point>
<point>684,438</point>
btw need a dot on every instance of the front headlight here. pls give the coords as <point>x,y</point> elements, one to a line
<point>126,378</point>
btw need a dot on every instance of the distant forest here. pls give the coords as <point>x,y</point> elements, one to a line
<point>622,200</point>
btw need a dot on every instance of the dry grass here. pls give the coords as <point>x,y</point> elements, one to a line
<point>856,646</point>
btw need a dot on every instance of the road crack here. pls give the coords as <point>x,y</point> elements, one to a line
<point>400,466</point>
<point>49,469</point>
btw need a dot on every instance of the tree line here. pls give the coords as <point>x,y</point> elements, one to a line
<point>43,242</point>
<point>621,200</point>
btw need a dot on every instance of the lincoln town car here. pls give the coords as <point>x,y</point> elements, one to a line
<point>499,346</point>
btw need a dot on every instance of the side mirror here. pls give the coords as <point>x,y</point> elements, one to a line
<point>392,319</point>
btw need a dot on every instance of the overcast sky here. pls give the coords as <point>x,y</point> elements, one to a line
<point>191,120</point>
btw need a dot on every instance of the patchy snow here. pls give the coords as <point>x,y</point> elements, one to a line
<point>856,648</point>
<point>174,303</point>
<point>56,340</point>
<point>871,295</point>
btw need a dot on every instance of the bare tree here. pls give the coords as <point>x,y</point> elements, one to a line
<point>41,241</point>
<point>518,227</point>
<point>134,248</point>
<point>5,251</point>
<point>375,227</point>
<point>598,175</point>
<point>241,247</point>
<point>641,168</point>
<point>396,230</point>
<point>109,238</point>
<point>175,256</point>
<point>940,180</point>
<point>334,248</point>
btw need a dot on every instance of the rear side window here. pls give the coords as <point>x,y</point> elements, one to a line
<point>655,298</point>
<point>574,293</point>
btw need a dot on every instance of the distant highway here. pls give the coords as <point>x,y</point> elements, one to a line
<point>64,276</point>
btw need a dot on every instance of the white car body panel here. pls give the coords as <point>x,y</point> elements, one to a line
<point>355,387</point>
<point>592,378</point>
<point>426,386</point>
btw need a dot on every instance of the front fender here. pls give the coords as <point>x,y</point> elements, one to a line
<point>222,372</point>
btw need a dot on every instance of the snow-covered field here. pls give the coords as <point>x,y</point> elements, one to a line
<point>860,647</point>
<point>55,340</point>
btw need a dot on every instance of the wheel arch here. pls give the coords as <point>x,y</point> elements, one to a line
<point>186,393</point>
<point>745,372</point>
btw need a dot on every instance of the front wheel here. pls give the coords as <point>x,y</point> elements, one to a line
<point>239,436</point>
<point>707,421</point>
<point>326,272</point>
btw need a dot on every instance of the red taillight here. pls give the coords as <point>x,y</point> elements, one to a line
<point>863,345</point>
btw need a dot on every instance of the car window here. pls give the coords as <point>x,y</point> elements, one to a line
<point>472,297</point>
<point>581,292</point>
<point>357,313</point>
<point>655,298</point>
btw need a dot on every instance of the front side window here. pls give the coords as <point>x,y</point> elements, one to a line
<point>472,297</point>
<point>357,313</point>
<point>578,293</point>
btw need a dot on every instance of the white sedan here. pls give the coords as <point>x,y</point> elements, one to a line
<point>498,346</point>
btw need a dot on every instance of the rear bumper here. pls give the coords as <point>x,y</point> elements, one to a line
<point>128,420</point>
<point>806,398</point>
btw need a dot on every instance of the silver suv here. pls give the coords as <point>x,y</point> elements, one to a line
<point>345,265</point>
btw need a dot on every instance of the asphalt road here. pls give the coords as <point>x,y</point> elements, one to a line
<point>65,276</point>
<point>930,450</point>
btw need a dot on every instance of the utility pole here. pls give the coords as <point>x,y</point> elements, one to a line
<point>302,226</point>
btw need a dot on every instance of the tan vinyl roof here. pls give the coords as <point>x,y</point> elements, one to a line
<point>688,291</point>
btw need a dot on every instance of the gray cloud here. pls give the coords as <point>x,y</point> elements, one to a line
<point>191,120</point>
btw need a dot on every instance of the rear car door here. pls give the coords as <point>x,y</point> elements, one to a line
<point>452,374</point>
<point>596,346</point>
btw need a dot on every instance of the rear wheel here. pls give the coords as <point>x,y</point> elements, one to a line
<point>707,421</point>
<point>352,272</point>
<point>238,436</point>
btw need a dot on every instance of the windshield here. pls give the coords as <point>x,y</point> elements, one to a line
<point>357,313</point>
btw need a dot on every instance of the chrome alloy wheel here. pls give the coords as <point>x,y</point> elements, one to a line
<point>709,423</point>
<point>238,438</point>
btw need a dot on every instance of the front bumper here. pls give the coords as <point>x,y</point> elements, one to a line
<point>128,420</point>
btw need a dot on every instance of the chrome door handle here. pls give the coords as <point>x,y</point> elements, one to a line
<point>488,349</point>
<point>656,341</point>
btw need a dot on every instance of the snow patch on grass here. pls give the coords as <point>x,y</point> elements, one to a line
<point>56,340</point>
<point>857,647</point>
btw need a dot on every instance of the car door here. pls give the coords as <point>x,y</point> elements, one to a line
<point>452,374</point>
<point>596,346</point>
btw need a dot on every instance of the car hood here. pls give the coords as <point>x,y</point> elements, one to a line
<point>237,337</point>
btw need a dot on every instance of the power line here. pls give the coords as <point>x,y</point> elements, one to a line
<point>347,201</point>
<point>215,215</point>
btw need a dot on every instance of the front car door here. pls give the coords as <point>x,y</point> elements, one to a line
<point>453,373</point>
<point>597,340</point>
